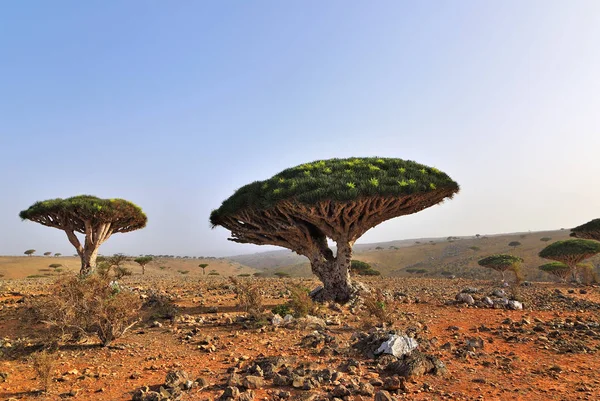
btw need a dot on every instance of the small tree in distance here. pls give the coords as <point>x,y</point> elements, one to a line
<point>502,263</point>
<point>571,252</point>
<point>93,217</point>
<point>29,252</point>
<point>545,239</point>
<point>47,253</point>
<point>203,266</point>
<point>58,254</point>
<point>514,244</point>
<point>143,261</point>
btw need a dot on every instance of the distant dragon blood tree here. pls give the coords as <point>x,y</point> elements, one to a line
<point>589,230</point>
<point>557,269</point>
<point>571,252</point>
<point>502,263</point>
<point>96,218</point>
<point>338,199</point>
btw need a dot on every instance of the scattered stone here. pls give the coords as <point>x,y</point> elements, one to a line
<point>465,298</point>
<point>416,364</point>
<point>474,343</point>
<point>397,345</point>
<point>515,305</point>
<point>383,395</point>
<point>3,377</point>
<point>253,382</point>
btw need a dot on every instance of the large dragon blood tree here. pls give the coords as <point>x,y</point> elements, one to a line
<point>96,218</point>
<point>589,230</point>
<point>337,199</point>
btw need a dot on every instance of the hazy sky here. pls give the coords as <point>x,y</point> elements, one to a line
<point>174,105</point>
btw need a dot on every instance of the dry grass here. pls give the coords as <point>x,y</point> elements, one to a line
<point>43,363</point>
<point>249,296</point>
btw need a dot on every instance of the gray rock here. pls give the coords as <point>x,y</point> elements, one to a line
<point>246,396</point>
<point>465,298</point>
<point>488,301</point>
<point>176,378</point>
<point>474,343</point>
<point>253,382</point>
<point>499,293</point>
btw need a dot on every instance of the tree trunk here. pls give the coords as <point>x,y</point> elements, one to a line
<point>335,275</point>
<point>143,269</point>
<point>88,261</point>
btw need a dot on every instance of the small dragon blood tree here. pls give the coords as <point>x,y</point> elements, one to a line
<point>589,230</point>
<point>337,199</point>
<point>502,263</point>
<point>571,252</point>
<point>556,269</point>
<point>96,218</point>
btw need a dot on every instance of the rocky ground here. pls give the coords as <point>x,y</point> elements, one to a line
<point>476,340</point>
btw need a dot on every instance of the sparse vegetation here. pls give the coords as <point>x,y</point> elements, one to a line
<point>43,363</point>
<point>249,296</point>
<point>363,269</point>
<point>29,252</point>
<point>88,306</point>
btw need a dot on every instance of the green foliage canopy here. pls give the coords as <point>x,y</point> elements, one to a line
<point>589,230</point>
<point>500,262</point>
<point>340,180</point>
<point>73,213</point>
<point>571,251</point>
<point>143,260</point>
<point>556,268</point>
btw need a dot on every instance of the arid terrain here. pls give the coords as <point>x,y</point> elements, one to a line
<point>474,349</point>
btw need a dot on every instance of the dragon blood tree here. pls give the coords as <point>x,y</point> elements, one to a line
<point>96,218</point>
<point>502,263</point>
<point>337,199</point>
<point>571,252</point>
<point>557,269</point>
<point>589,230</point>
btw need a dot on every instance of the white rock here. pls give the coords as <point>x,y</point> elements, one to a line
<point>515,305</point>
<point>288,319</point>
<point>398,346</point>
<point>277,320</point>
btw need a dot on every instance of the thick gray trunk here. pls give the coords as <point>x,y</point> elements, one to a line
<point>88,261</point>
<point>335,275</point>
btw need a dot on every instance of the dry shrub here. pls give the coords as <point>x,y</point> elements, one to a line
<point>378,309</point>
<point>588,273</point>
<point>79,307</point>
<point>249,296</point>
<point>300,301</point>
<point>43,363</point>
<point>161,306</point>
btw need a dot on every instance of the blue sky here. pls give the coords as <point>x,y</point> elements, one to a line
<point>174,105</point>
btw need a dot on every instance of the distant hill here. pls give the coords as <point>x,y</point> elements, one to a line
<point>429,257</point>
